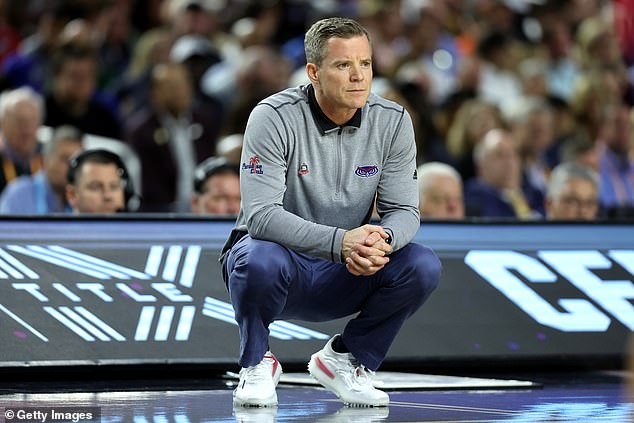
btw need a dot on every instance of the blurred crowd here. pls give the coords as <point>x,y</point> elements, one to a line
<point>522,108</point>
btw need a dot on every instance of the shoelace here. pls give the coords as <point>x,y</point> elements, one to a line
<point>257,373</point>
<point>361,374</point>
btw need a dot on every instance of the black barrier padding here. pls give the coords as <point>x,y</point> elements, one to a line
<point>149,291</point>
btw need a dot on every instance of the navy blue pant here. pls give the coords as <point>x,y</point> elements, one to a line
<point>269,282</point>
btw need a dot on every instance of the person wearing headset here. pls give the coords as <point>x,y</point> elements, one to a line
<point>216,188</point>
<point>98,182</point>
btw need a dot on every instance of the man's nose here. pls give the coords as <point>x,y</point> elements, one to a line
<point>355,73</point>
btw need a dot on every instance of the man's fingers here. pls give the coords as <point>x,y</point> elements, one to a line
<point>373,238</point>
<point>356,270</point>
<point>367,251</point>
<point>367,264</point>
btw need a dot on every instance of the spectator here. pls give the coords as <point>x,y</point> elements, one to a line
<point>616,165</point>
<point>199,18</point>
<point>562,70</point>
<point>21,113</point>
<point>471,122</point>
<point>530,121</point>
<point>498,84</point>
<point>581,149</point>
<point>171,136</point>
<point>71,99</point>
<point>440,192</point>
<point>572,193</point>
<point>216,188</point>
<point>198,54</point>
<point>496,191</point>
<point>31,65</point>
<point>230,147</point>
<point>98,182</point>
<point>44,192</point>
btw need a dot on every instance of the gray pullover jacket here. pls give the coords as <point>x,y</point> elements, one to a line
<point>305,181</point>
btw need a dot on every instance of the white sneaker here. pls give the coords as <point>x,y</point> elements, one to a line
<point>257,383</point>
<point>350,381</point>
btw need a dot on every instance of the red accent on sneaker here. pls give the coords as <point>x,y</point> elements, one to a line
<point>275,363</point>
<point>324,369</point>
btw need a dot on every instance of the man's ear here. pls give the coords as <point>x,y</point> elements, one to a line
<point>311,70</point>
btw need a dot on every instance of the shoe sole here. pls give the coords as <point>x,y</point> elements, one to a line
<point>260,403</point>
<point>253,404</point>
<point>271,402</point>
<point>320,376</point>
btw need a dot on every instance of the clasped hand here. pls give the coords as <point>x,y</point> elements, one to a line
<point>364,250</point>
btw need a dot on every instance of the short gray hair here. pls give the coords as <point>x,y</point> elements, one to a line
<point>427,170</point>
<point>321,31</point>
<point>488,142</point>
<point>61,134</point>
<point>566,172</point>
<point>9,99</point>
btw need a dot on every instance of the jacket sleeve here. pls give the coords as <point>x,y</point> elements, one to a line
<point>263,184</point>
<point>397,194</point>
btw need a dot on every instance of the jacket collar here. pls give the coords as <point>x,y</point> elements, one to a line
<point>323,122</point>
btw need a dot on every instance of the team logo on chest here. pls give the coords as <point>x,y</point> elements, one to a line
<point>303,169</point>
<point>366,171</point>
<point>254,166</point>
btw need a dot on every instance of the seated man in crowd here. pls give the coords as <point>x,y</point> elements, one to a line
<point>216,188</point>
<point>45,192</point>
<point>21,114</point>
<point>497,190</point>
<point>440,192</point>
<point>98,182</point>
<point>573,193</point>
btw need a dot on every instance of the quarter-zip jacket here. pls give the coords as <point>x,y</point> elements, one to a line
<point>305,181</point>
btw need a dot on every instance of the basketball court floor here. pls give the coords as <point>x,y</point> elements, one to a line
<point>550,397</point>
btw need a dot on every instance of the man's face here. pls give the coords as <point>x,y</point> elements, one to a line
<point>19,127</point>
<point>172,90</point>
<point>442,199</point>
<point>56,163</point>
<point>221,195</point>
<point>342,81</point>
<point>501,168</point>
<point>98,189</point>
<point>577,201</point>
<point>76,81</point>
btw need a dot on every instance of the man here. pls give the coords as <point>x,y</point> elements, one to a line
<point>313,160</point>
<point>21,114</point>
<point>573,193</point>
<point>616,165</point>
<point>497,190</point>
<point>98,182</point>
<point>45,192</point>
<point>72,98</point>
<point>171,135</point>
<point>216,188</point>
<point>440,192</point>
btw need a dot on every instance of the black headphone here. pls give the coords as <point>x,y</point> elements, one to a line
<point>103,156</point>
<point>210,167</point>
